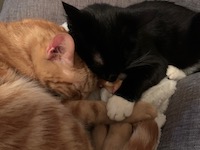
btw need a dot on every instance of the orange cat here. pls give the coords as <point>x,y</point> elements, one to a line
<point>36,54</point>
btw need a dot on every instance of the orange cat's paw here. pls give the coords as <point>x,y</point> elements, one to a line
<point>119,108</point>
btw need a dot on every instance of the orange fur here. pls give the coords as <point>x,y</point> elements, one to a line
<point>19,50</point>
<point>30,117</point>
<point>123,136</point>
<point>145,136</point>
<point>117,136</point>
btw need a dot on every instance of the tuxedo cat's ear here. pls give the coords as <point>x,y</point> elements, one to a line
<point>61,48</point>
<point>73,14</point>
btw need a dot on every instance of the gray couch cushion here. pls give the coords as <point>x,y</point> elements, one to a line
<point>192,4</point>
<point>47,9</point>
<point>53,11</point>
<point>182,128</point>
<point>19,9</point>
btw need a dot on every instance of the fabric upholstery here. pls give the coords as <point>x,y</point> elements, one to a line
<point>48,9</point>
<point>53,11</point>
<point>182,128</point>
<point>19,9</point>
<point>192,4</point>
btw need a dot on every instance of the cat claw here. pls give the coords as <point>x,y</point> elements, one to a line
<point>119,108</point>
<point>174,73</point>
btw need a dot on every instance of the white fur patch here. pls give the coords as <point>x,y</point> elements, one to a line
<point>174,73</point>
<point>119,108</point>
<point>65,26</point>
<point>105,95</point>
<point>160,120</point>
<point>159,94</point>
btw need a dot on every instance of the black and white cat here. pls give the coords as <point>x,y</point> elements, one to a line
<point>135,43</point>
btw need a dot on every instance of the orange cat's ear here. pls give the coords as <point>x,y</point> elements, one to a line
<point>62,49</point>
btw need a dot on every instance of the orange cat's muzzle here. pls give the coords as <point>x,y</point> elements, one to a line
<point>110,86</point>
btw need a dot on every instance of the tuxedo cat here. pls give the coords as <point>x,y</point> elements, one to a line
<point>135,44</point>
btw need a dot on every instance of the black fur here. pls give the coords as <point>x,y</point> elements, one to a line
<point>139,41</point>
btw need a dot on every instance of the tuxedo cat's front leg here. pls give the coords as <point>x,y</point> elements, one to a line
<point>120,105</point>
<point>119,108</point>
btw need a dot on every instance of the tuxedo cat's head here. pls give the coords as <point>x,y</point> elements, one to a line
<point>105,37</point>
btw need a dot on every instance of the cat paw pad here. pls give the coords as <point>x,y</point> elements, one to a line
<point>119,108</point>
<point>174,73</point>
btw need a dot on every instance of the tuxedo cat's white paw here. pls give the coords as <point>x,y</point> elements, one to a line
<point>105,94</point>
<point>119,108</point>
<point>174,73</point>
